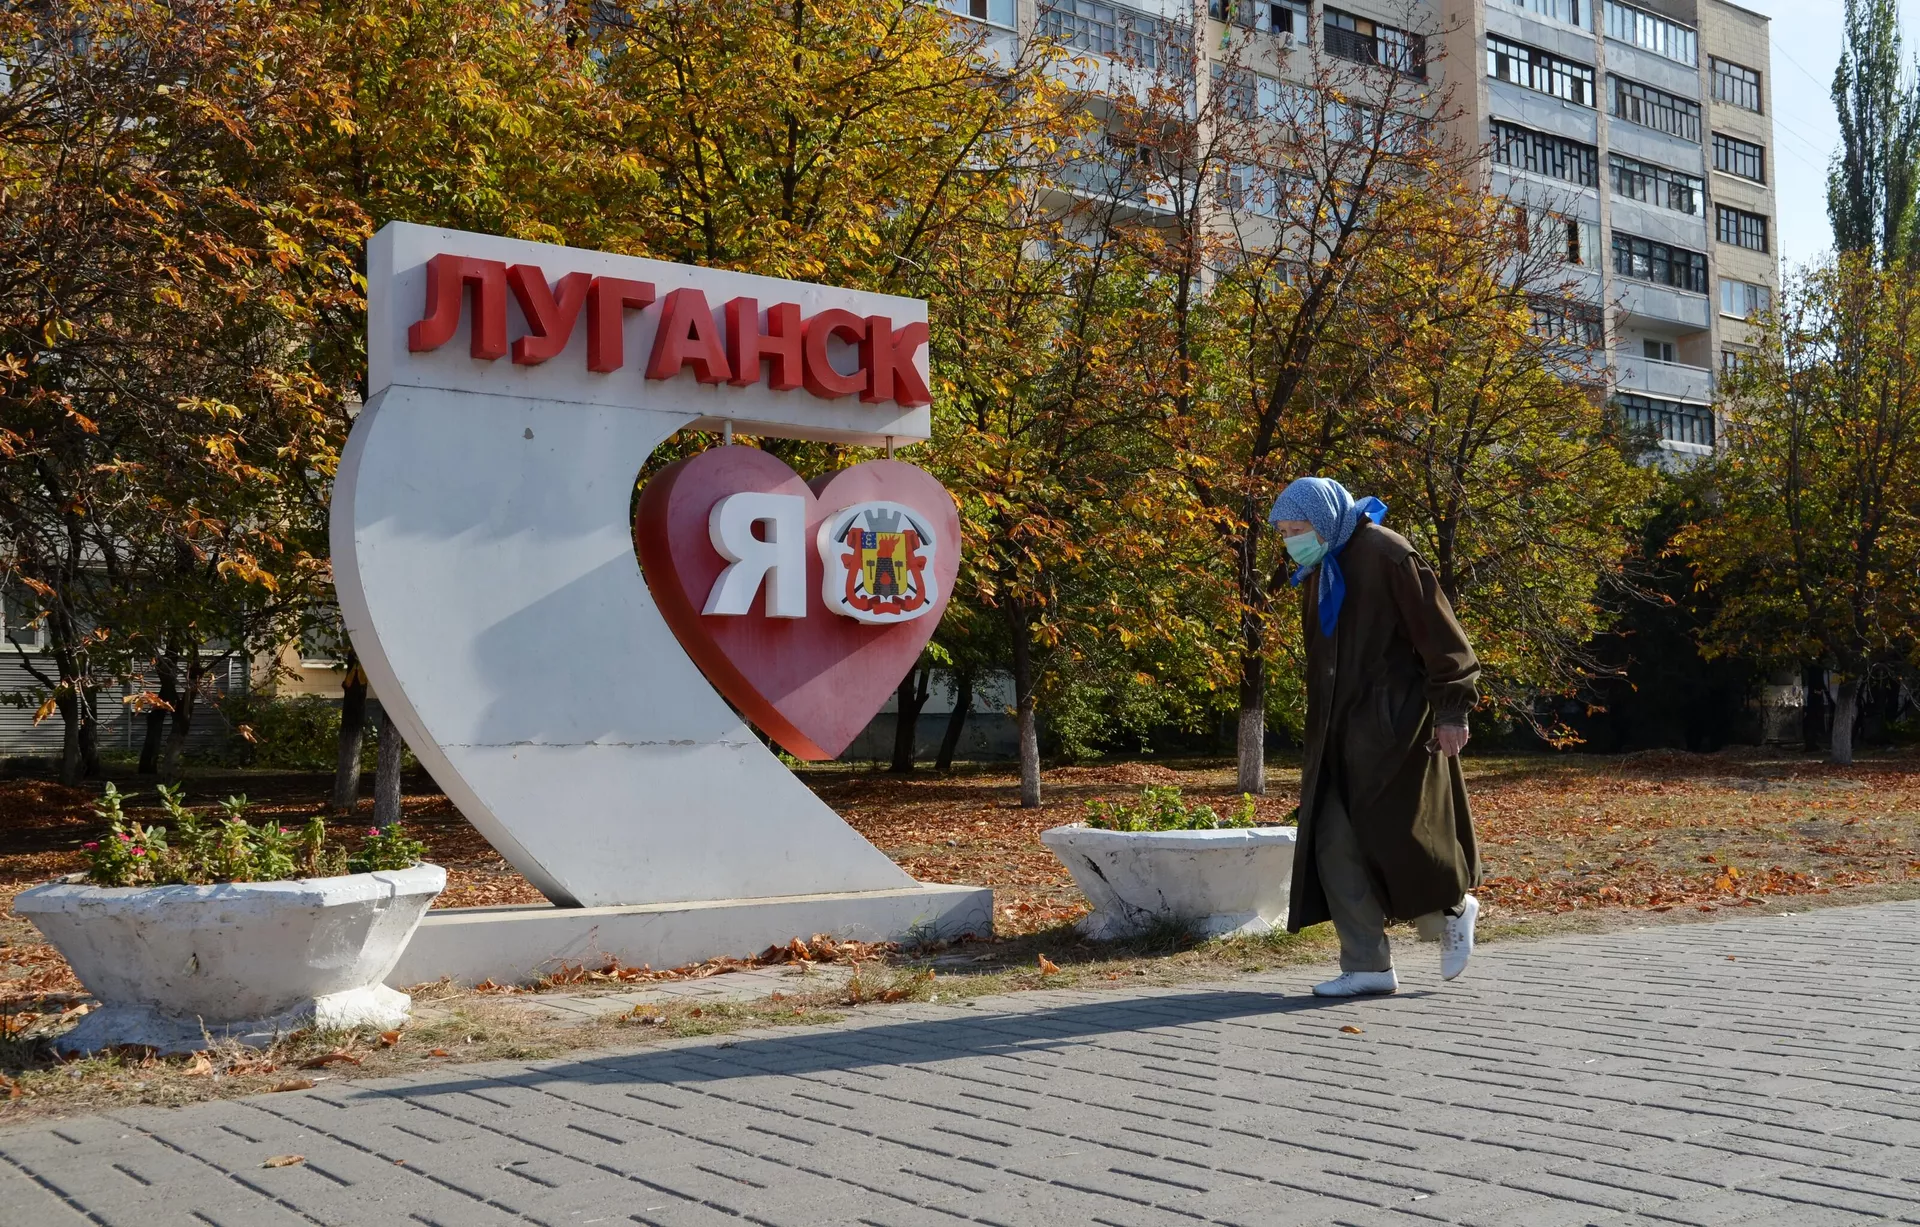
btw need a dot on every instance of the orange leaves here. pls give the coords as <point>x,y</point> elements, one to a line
<point>1048,967</point>
<point>285,1160</point>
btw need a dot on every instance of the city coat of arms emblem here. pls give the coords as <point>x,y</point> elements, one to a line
<point>878,560</point>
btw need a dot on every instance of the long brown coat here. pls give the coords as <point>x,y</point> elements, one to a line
<point>1397,664</point>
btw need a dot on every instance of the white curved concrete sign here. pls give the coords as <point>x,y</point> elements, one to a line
<point>483,553</point>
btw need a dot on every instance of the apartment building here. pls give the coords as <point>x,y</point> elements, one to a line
<point>1644,129</point>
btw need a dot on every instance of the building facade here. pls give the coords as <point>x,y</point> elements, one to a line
<point>1644,128</point>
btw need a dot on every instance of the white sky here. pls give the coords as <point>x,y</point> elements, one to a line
<point>1806,49</point>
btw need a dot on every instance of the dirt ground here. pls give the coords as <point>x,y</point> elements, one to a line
<point>1563,833</point>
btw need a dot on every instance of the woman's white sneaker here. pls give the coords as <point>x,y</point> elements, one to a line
<point>1359,984</point>
<point>1456,941</point>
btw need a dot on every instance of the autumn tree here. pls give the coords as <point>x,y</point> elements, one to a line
<point>151,376</point>
<point>1489,436</point>
<point>1814,546</point>
<point>1343,173</point>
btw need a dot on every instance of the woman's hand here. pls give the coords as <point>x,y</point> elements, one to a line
<point>1452,738</point>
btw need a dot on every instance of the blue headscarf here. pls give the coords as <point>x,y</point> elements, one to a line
<point>1334,514</point>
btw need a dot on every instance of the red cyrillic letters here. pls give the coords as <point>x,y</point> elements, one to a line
<point>779,344</point>
<point>686,337</point>
<point>607,304</point>
<point>551,319</point>
<point>793,350</point>
<point>447,277</point>
<point>888,357</point>
<point>820,376</point>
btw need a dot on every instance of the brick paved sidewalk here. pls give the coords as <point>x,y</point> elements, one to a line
<point>1637,1077</point>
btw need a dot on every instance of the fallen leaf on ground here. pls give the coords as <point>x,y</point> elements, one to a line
<point>1731,959</point>
<point>389,1038</point>
<point>1048,966</point>
<point>695,1012</point>
<point>337,1057</point>
<point>1350,1029</point>
<point>284,1160</point>
<point>294,1084</point>
<point>439,1052</point>
<point>199,1067</point>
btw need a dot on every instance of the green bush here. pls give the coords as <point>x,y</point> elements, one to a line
<point>296,733</point>
<point>1164,809</point>
<point>191,850</point>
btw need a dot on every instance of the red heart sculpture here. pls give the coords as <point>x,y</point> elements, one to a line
<point>810,682</point>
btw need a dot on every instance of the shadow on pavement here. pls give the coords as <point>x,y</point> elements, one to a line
<point>984,1032</point>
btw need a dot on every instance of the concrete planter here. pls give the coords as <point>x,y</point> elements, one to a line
<point>247,961</point>
<point>1221,882</point>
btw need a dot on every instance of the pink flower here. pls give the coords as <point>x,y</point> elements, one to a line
<point>373,830</point>
<point>91,844</point>
<point>139,851</point>
<point>124,838</point>
<point>283,831</point>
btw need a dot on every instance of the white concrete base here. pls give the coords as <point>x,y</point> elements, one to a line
<point>172,965</point>
<point>1221,882</point>
<point>511,945</point>
<point>113,1025</point>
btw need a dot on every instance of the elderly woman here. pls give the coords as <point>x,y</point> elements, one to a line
<point>1384,830</point>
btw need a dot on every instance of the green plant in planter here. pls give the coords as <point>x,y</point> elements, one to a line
<point>388,849</point>
<point>230,850</point>
<point>1162,808</point>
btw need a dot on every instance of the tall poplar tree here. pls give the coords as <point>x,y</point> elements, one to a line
<point>1871,185</point>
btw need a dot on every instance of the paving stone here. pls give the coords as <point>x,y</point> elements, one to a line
<point>1619,1079</point>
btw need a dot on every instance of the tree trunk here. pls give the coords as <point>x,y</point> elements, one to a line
<point>1023,701</point>
<point>353,726</point>
<point>957,720</point>
<point>1813,722</point>
<point>183,708</point>
<point>167,671</point>
<point>1846,707</point>
<point>68,704</point>
<point>1251,743</point>
<point>386,775</point>
<point>912,699</point>
<point>90,766</point>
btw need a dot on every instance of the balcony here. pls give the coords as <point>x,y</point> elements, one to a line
<point>1664,380</point>
<point>1662,303</point>
<point>1396,49</point>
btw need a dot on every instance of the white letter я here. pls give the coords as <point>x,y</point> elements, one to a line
<point>779,558</point>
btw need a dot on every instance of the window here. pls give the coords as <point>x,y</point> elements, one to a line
<point>993,12</point>
<point>21,625</point>
<point>1566,323</point>
<point>1367,42</point>
<point>1657,351</point>
<point>1646,260</point>
<point>1743,299</point>
<point>1108,29</point>
<point>1738,157</point>
<point>1544,154</point>
<point>1583,241</point>
<point>1656,185</point>
<point>1741,228</point>
<point>1668,419</point>
<point>1731,360</point>
<point>1560,10</point>
<point>1539,70</point>
<point>1268,16</point>
<point>1250,189</point>
<point>1652,32</point>
<point>1733,84</point>
<point>1656,109</point>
